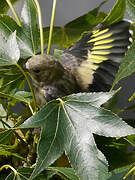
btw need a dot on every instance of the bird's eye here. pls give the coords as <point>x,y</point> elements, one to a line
<point>36,70</point>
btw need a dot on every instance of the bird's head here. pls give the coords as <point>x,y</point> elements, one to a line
<point>44,68</point>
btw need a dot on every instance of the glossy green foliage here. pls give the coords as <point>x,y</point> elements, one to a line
<point>28,34</point>
<point>68,125</point>
<point>4,6</point>
<point>116,14</point>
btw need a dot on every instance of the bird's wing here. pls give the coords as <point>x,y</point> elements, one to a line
<point>98,55</point>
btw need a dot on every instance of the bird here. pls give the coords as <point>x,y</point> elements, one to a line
<point>89,65</point>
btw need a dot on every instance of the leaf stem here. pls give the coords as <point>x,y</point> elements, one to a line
<point>131,171</point>
<point>60,100</point>
<point>131,98</point>
<point>29,83</point>
<point>8,166</point>
<point>30,107</point>
<point>14,12</point>
<point>51,25</point>
<point>112,88</point>
<point>40,26</point>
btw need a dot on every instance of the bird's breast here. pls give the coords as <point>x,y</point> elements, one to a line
<point>39,95</point>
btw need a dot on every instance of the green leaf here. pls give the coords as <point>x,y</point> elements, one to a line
<point>68,125</point>
<point>8,26</point>
<point>67,172</point>
<point>4,6</point>
<point>18,95</point>
<point>5,136</point>
<point>23,96</point>
<point>58,36</point>
<point>24,174</point>
<point>3,119</point>
<point>130,8</point>
<point>9,51</point>
<point>131,139</point>
<point>127,66</point>
<point>118,174</point>
<point>25,41</point>
<point>29,25</point>
<point>113,102</point>
<point>116,14</point>
<point>71,32</point>
<point>11,81</point>
<point>54,144</point>
<point>9,147</point>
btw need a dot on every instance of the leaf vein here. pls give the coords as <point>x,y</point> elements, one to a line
<point>57,125</point>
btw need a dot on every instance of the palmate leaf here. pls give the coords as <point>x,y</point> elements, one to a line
<point>7,26</point>
<point>68,125</point>
<point>28,35</point>
<point>29,25</point>
<point>71,32</point>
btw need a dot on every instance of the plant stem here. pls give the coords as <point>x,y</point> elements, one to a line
<point>111,88</point>
<point>51,25</point>
<point>30,107</point>
<point>8,166</point>
<point>60,100</point>
<point>14,12</point>
<point>131,98</point>
<point>31,88</point>
<point>40,26</point>
<point>131,171</point>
